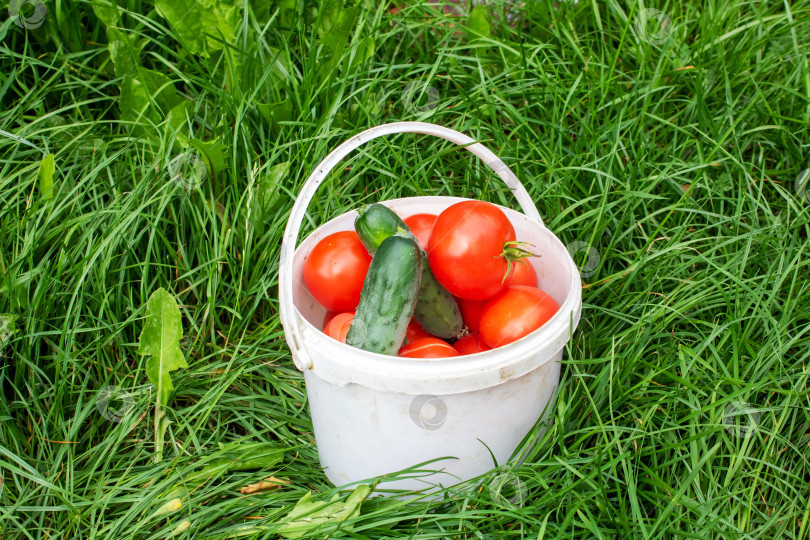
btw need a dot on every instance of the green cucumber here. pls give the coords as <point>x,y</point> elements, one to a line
<point>374,223</point>
<point>436,309</point>
<point>388,297</point>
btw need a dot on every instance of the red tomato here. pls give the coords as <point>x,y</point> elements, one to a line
<point>516,312</point>
<point>335,269</point>
<point>421,225</point>
<point>471,344</point>
<point>328,317</point>
<point>471,312</point>
<point>415,331</point>
<point>465,249</point>
<point>338,327</point>
<point>428,348</point>
<point>522,273</point>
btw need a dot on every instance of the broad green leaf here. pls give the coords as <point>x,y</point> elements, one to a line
<point>7,328</point>
<point>239,457</point>
<point>178,120</point>
<point>478,24</point>
<point>340,28</point>
<point>262,9</point>
<point>134,102</point>
<point>308,514</point>
<point>201,25</point>
<point>160,339</point>
<point>327,13</point>
<point>189,21</point>
<point>268,194</point>
<point>106,12</point>
<point>231,457</point>
<point>364,51</point>
<point>335,26</point>
<point>147,96</point>
<point>45,175</point>
<point>244,456</point>
<point>179,116</point>
<point>125,51</point>
<point>280,66</point>
<point>289,15</point>
<point>161,88</point>
<point>213,153</point>
<point>273,113</point>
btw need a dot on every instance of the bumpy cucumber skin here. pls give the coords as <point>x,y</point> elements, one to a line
<point>389,296</point>
<point>375,223</point>
<point>436,309</point>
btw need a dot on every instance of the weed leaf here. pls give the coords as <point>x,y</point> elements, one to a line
<point>308,514</point>
<point>45,175</point>
<point>149,96</point>
<point>201,25</point>
<point>268,194</point>
<point>160,339</point>
<point>478,24</point>
<point>214,153</point>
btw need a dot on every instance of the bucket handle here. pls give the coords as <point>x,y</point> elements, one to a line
<point>285,270</point>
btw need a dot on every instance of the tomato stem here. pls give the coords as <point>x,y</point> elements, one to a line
<point>515,251</point>
<point>465,331</point>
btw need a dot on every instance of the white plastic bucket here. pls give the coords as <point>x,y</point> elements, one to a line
<point>375,414</point>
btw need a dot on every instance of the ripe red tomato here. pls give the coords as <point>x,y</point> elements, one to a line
<point>471,344</point>
<point>522,273</point>
<point>465,249</point>
<point>421,225</point>
<point>338,327</point>
<point>415,331</point>
<point>516,312</point>
<point>428,348</point>
<point>471,312</point>
<point>335,269</point>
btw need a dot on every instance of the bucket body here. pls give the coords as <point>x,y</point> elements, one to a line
<point>374,414</point>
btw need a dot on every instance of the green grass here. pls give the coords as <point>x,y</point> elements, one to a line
<point>675,160</point>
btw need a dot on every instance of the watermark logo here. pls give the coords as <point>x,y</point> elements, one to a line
<point>375,104</point>
<point>188,170</point>
<point>428,412</point>
<point>29,14</point>
<point>801,185</point>
<point>114,404</point>
<point>741,419</point>
<point>7,327</point>
<point>505,173</point>
<point>591,263</point>
<point>507,490</point>
<point>653,26</point>
<point>413,92</point>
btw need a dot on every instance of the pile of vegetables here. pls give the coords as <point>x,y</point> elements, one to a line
<point>428,286</point>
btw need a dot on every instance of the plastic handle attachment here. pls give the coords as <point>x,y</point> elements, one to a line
<point>288,243</point>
